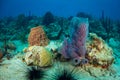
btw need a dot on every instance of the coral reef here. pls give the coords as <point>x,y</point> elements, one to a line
<point>69,42</point>
<point>114,42</point>
<point>38,37</point>
<point>75,46</point>
<point>48,18</point>
<point>22,21</point>
<point>84,15</point>
<point>8,49</point>
<point>10,45</point>
<point>38,56</point>
<point>99,53</point>
<point>96,27</point>
<point>53,31</point>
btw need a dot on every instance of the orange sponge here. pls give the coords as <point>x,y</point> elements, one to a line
<point>38,37</point>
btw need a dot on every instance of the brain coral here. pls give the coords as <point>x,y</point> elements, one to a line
<point>37,37</point>
<point>38,56</point>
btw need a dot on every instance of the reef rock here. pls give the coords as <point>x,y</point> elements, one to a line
<point>38,56</point>
<point>97,72</point>
<point>98,52</point>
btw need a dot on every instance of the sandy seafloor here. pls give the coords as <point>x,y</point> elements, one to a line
<point>16,69</point>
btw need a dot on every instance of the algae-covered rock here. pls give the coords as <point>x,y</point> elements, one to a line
<point>99,53</point>
<point>38,56</point>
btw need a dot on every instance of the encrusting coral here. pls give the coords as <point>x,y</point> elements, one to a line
<point>98,52</point>
<point>37,37</point>
<point>38,56</point>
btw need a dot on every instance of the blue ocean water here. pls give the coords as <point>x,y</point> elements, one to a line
<point>60,7</point>
<point>59,40</point>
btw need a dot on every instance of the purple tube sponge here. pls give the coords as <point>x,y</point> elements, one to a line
<point>67,50</point>
<point>79,39</point>
<point>74,47</point>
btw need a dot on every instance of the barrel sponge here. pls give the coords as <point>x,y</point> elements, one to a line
<point>38,37</point>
